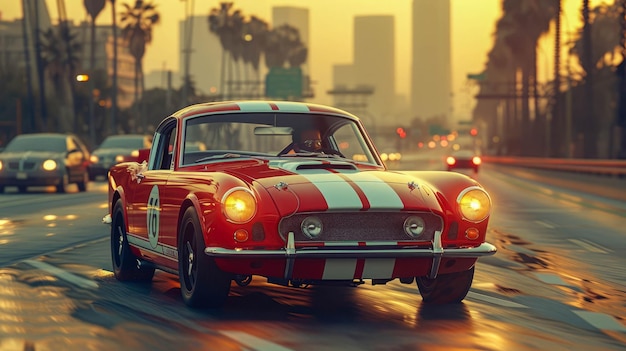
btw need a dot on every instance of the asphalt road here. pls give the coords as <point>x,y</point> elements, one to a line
<point>556,283</point>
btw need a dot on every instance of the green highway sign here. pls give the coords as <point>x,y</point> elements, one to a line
<point>284,83</point>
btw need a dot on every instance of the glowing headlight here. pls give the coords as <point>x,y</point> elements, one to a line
<point>119,158</point>
<point>474,204</point>
<point>49,165</point>
<point>312,227</point>
<point>0,165</point>
<point>239,205</point>
<point>414,226</point>
<point>93,159</point>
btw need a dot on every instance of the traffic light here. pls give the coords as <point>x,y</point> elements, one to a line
<point>400,131</point>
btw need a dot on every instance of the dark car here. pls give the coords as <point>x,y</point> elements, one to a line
<point>115,149</point>
<point>463,159</point>
<point>43,159</point>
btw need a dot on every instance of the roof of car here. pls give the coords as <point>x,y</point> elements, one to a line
<point>259,106</point>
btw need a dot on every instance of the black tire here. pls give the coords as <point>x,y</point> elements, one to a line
<point>82,186</point>
<point>202,283</point>
<point>125,267</point>
<point>446,288</point>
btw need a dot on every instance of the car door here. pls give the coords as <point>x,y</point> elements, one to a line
<point>146,205</point>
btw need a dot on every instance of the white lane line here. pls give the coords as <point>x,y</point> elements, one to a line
<point>551,279</point>
<point>545,224</point>
<point>589,246</point>
<point>494,300</point>
<point>252,341</point>
<point>64,275</point>
<point>601,321</point>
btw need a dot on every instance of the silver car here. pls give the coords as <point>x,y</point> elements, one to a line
<point>44,159</point>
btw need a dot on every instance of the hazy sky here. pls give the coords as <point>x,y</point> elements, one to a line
<point>331,35</point>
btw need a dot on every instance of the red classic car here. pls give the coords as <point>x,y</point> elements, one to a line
<point>292,192</point>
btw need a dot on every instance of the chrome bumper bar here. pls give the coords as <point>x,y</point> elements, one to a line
<point>290,253</point>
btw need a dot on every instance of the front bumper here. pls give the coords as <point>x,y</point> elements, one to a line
<point>290,253</point>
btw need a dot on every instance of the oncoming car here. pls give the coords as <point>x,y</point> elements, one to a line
<point>44,159</point>
<point>463,159</point>
<point>115,149</point>
<point>252,203</point>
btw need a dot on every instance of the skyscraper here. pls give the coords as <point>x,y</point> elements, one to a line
<point>431,78</point>
<point>374,62</point>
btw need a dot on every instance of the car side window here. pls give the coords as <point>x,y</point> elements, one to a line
<point>163,149</point>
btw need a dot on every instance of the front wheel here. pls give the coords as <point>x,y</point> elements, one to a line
<point>125,265</point>
<point>202,282</point>
<point>446,288</point>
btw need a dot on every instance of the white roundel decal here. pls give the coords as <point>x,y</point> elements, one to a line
<point>152,217</point>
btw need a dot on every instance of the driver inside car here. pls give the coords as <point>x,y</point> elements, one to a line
<point>308,140</point>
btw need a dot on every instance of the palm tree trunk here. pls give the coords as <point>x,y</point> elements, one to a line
<point>589,122</point>
<point>114,80</point>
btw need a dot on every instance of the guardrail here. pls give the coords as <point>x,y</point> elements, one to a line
<point>616,168</point>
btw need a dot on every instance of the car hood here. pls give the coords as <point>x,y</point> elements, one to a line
<point>322,185</point>
<point>31,155</point>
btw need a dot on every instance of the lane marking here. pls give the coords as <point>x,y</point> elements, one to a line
<point>551,279</point>
<point>545,224</point>
<point>253,342</point>
<point>494,300</point>
<point>62,274</point>
<point>601,321</point>
<point>589,246</point>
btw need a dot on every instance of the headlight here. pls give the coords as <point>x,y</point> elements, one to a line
<point>94,159</point>
<point>474,204</point>
<point>49,165</point>
<point>239,205</point>
<point>311,227</point>
<point>0,165</point>
<point>414,226</point>
<point>119,158</point>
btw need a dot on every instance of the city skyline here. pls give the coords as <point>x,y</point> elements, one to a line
<point>472,28</point>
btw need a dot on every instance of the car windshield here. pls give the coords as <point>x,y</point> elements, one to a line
<point>27,142</point>
<point>124,141</point>
<point>269,135</point>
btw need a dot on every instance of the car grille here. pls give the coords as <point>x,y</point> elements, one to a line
<point>361,226</point>
<point>26,166</point>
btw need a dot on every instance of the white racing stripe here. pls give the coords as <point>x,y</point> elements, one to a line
<point>378,192</point>
<point>340,195</point>
<point>263,106</point>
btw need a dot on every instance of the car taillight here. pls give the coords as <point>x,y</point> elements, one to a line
<point>476,160</point>
<point>450,160</point>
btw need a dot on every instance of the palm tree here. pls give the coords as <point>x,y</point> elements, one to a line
<point>137,24</point>
<point>93,7</point>
<point>60,62</point>
<point>518,31</point>
<point>228,26</point>
<point>114,80</point>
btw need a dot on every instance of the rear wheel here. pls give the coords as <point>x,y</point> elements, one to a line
<point>202,283</point>
<point>446,288</point>
<point>125,265</point>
